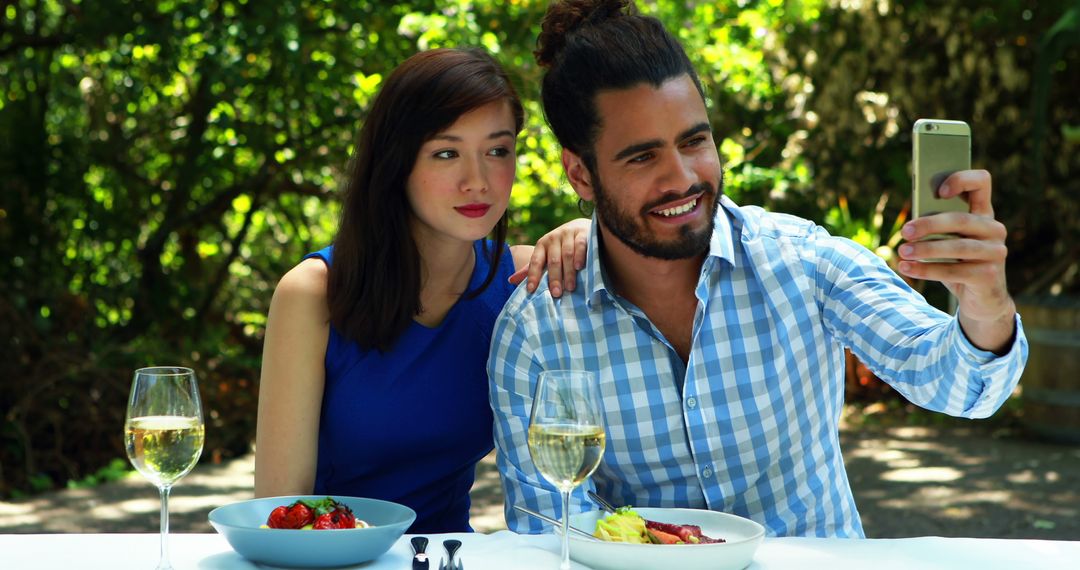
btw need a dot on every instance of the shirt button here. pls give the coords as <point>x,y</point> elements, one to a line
<point>691,402</point>
<point>706,473</point>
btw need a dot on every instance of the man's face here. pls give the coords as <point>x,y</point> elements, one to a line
<point>657,178</point>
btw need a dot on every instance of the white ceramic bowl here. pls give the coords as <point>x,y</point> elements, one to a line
<point>742,536</point>
<point>240,524</point>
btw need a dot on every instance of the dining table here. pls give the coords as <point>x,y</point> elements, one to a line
<point>505,550</point>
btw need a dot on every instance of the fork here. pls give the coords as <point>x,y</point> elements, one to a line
<point>556,524</point>
<point>451,547</point>
<point>604,504</point>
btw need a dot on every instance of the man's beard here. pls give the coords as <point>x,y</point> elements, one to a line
<point>632,232</point>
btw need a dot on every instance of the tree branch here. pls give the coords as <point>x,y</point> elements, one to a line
<point>234,251</point>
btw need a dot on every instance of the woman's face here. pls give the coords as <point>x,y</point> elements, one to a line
<point>460,185</point>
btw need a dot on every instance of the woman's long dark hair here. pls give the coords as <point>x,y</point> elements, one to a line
<point>374,281</point>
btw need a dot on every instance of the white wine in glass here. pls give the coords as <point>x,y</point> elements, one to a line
<point>163,432</point>
<point>566,435</point>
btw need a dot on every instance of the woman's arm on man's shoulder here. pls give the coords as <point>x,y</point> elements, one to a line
<point>561,251</point>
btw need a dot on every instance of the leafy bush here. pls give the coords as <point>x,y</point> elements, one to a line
<point>870,72</point>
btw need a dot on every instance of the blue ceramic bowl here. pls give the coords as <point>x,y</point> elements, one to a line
<point>240,524</point>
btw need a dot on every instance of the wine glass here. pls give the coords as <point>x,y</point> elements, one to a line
<point>566,435</point>
<point>163,432</point>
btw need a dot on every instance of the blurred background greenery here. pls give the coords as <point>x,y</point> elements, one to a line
<point>163,163</point>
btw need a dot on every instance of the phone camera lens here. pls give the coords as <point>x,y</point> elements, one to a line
<point>931,127</point>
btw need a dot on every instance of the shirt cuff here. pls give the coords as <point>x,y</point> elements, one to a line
<point>979,357</point>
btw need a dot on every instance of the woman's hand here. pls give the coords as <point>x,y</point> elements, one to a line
<point>562,252</point>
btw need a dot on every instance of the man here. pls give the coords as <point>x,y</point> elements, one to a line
<point>717,331</point>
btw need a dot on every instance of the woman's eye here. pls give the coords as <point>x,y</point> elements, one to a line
<point>446,154</point>
<point>500,151</point>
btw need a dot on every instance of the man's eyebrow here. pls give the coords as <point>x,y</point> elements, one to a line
<point>636,148</point>
<point>455,138</point>
<point>657,143</point>
<point>698,128</point>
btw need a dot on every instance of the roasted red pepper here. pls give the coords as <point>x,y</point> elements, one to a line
<point>321,514</point>
<point>277,517</point>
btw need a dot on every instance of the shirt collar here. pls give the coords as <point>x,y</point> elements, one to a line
<point>593,279</point>
<point>727,223</point>
<point>721,246</point>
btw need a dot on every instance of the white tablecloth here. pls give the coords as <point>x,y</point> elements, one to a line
<point>507,551</point>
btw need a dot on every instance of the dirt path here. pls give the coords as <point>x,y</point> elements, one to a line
<point>907,482</point>
<point>963,482</point>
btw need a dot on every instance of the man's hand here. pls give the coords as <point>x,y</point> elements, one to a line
<point>978,276</point>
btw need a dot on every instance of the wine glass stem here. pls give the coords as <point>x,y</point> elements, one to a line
<point>163,562</point>
<point>565,530</point>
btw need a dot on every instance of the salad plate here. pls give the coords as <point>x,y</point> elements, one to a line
<point>742,537</point>
<point>242,525</point>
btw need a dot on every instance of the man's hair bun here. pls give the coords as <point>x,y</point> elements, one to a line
<point>564,18</point>
<point>589,46</point>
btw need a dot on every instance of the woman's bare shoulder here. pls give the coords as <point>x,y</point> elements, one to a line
<point>308,278</point>
<point>521,254</point>
<point>303,289</point>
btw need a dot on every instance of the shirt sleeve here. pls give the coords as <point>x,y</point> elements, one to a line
<point>917,349</point>
<point>514,364</point>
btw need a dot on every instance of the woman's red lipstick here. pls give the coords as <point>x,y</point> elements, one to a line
<point>473,210</point>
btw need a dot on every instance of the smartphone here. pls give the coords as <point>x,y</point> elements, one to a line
<point>939,148</point>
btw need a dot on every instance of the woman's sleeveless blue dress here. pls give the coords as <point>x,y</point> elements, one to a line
<point>409,425</point>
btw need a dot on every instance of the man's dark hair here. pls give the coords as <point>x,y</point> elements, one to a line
<point>588,46</point>
<point>374,280</point>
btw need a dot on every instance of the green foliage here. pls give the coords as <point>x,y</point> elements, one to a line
<point>163,163</point>
<point>116,469</point>
<point>872,70</point>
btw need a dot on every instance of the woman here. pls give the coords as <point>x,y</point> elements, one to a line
<point>374,367</point>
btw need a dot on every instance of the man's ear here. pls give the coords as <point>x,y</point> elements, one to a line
<point>578,175</point>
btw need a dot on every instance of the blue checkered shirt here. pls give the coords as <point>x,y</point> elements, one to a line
<point>750,425</point>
